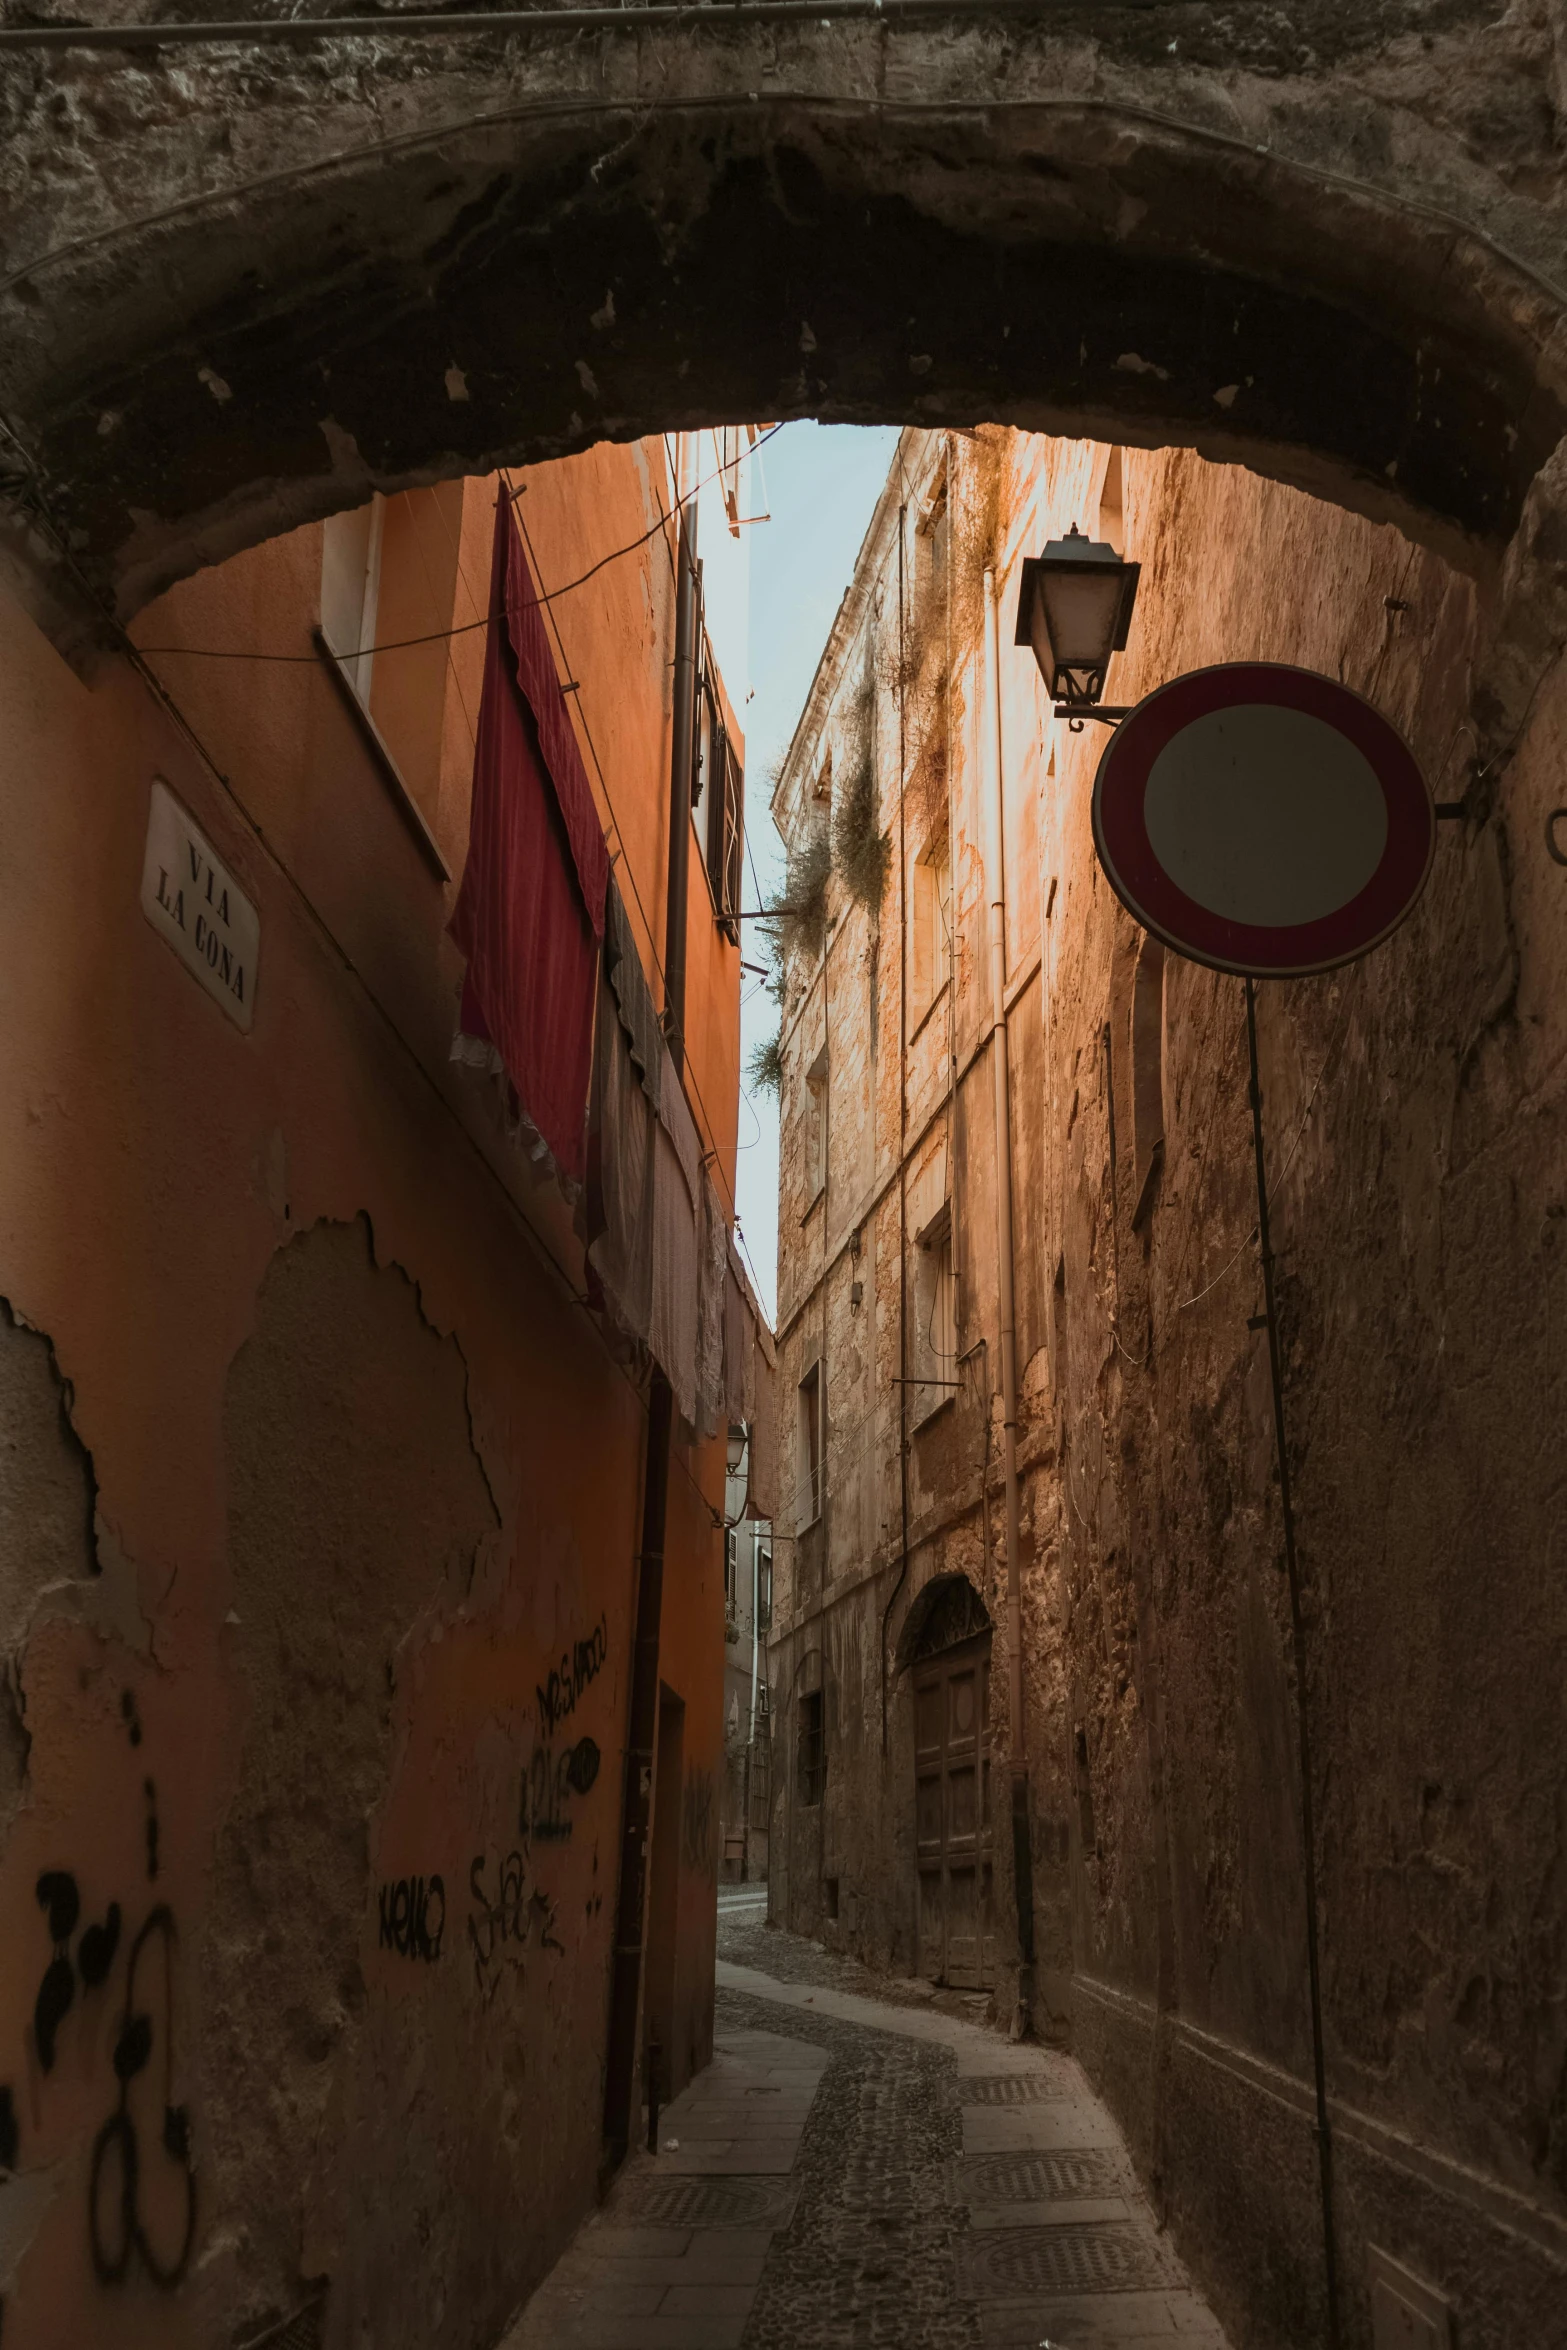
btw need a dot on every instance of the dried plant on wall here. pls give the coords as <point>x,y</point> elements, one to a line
<point>861,851</point>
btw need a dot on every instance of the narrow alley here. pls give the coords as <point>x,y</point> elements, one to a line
<point>783,1175</point>
<point>864,2166</point>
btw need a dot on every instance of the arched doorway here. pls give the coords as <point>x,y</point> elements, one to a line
<point>947,1649</point>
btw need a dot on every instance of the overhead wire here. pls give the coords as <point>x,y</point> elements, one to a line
<point>706,1115</point>
<point>442,635</point>
<point>163,694</point>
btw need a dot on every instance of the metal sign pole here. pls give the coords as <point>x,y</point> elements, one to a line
<point>1265,1249</point>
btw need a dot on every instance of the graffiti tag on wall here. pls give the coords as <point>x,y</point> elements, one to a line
<point>413,1917</point>
<point>579,1667</point>
<point>548,1783</point>
<point>141,2193</point>
<point>507,1919</point>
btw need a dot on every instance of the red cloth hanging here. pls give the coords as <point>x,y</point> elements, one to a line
<point>530,913</point>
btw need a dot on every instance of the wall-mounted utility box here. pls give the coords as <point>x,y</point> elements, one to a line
<point>1407,2313</point>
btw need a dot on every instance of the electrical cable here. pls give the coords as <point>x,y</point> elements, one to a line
<point>163,695</point>
<point>436,636</point>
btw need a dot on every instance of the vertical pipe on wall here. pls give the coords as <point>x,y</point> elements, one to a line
<point>903,1130</point>
<point>1022,1844</point>
<point>682,748</point>
<point>637,1800</point>
<point>1302,1714</point>
<point>620,2069</point>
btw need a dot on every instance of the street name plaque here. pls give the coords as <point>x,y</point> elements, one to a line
<point>193,901</point>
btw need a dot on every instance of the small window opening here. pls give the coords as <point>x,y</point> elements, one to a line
<point>764,1598</point>
<point>810,1749</point>
<point>731,1566</point>
<point>830,1889</point>
<point>934,546</point>
<point>936,1303</point>
<point>1085,1795</point>
<point>1058,1327</point>
<point>816,1127</point>
<point>351,589</point>
<point>811,1447</point>
<point>931,914</point>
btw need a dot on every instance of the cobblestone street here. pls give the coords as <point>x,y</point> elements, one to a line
<point>868,2171</point>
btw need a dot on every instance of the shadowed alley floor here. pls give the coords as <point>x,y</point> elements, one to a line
<point>871,2171</point>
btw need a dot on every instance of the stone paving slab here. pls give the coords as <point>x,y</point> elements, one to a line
<point>916,2183</point>
<point>629,2283</point>
<point>1110,2321</point>
<point>1047,2215</point>
<point>1059,2126</point>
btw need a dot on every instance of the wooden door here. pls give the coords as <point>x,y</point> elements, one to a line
<point>952,1816</point>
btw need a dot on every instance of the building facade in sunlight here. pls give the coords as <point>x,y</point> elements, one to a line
<point>337,1288</point>
<point>1106,1841</point>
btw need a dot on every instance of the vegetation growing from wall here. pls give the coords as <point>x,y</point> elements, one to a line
<point>764,1065</point>
<point>861,851</point>
<point>799,918</point>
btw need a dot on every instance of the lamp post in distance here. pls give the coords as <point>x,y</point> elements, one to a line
<point>1074,609</point>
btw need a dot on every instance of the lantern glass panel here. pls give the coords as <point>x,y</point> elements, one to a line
<point>1075,616</point>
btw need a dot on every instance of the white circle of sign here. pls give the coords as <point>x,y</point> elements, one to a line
<point>1262,819</point>
<point>1263,814</point>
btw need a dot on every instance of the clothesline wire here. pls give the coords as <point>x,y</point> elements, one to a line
<point>437,636</point>
<point>538,1246</point>
<point>164,696</point>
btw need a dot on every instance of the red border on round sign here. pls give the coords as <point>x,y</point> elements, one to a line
<point>1260,949</point>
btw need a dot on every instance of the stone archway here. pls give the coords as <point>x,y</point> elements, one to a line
<point>242,286</point>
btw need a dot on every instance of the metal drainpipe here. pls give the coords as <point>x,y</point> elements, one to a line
<point>681,760</point>
<point>903,1136</point>
<point>1022,1846</point>
<point>620,2069</point>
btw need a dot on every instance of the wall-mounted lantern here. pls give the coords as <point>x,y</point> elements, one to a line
<point>1074,609</point>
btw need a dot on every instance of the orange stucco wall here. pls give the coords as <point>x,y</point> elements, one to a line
<point>318,1464</point>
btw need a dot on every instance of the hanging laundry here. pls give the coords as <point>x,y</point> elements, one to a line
<point>530,913</point>
<point>619,1220</point>
<point>633,998</point>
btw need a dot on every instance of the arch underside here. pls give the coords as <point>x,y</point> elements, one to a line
<point>568,271</point>
<point>945,1613</point>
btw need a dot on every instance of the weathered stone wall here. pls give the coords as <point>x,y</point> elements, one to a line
<point>1413,1104</point>
<point>241,284</point>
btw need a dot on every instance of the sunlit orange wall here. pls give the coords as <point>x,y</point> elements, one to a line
<point>339,1612</point>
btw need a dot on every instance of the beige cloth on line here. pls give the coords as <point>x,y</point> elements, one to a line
<point>620,1186</point>
<point>672,1331</point>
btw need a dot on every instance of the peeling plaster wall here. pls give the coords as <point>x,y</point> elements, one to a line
<point>319,1500</point>
<point>1413,1107</point>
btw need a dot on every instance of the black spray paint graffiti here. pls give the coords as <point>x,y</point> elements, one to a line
<point>119,2225</point>
<point>697,1821</point>
<point>59,1898</point>
<point>120,2222</point>
<point>408,1922</point>
<point>548,1783</point>
<point>579,1667</point>
<point>501,1928</point>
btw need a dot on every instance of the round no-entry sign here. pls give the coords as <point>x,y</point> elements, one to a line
<point>1263,819</point>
